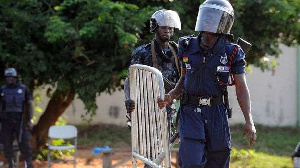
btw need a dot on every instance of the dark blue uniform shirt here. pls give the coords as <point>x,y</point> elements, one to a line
<point>212,62</point>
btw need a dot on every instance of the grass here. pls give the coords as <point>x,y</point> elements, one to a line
<point>104,135</point>
<point>273,149</point>
<point>253,159</point>
<point>279,141</point>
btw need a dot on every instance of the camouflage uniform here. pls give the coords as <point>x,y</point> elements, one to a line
<point>165,58</point>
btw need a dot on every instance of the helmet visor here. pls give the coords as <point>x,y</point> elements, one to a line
<point>168,18</point>
<point>213,20</point>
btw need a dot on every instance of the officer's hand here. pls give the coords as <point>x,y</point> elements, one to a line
<point>162,103</point>
<point>250,131</point>
<point>130,105</point>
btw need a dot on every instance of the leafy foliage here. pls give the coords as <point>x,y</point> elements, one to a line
<point>84,45</point>
<point>265,24</point>
<point>92,42</point>
<point>80,45</point>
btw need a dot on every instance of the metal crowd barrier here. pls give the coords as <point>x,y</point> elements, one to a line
<point>149,131</point>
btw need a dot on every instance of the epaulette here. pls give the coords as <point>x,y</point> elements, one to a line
<point>185,41</point>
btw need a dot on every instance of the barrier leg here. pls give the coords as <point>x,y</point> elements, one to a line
<point>107,159</point>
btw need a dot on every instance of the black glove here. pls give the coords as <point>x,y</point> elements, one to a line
<point>130,105</point>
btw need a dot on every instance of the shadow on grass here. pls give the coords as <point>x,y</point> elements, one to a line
<point>280,141</point>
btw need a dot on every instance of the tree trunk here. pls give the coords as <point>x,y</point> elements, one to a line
<point>58,103</point>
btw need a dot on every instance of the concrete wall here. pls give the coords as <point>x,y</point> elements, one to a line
<point>273,95</point>
<point>111,110</point>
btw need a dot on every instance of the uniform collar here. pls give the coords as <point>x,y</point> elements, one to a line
<point>218,46</point>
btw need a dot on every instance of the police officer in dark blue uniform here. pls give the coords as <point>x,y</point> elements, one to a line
<point>161,53</point>
<point>210,63</point>
<point>14,98</point>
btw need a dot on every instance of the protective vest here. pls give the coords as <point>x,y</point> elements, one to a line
<point>13,98</point>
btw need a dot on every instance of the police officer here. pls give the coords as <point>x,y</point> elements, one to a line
<point>210,63</point>
<point>160,53</point>
<point>15,97</point>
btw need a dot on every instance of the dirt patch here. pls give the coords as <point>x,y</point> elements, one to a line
<point>121,158</point>
<point>118,138</point>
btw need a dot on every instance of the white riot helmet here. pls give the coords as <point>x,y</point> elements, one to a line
<point>10,72</point>
<point>215,16</point>
<point>164,17</point>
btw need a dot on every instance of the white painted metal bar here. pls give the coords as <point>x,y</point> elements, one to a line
<point>150,135</point>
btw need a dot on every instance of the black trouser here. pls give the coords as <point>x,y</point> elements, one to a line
<point>11,131</point>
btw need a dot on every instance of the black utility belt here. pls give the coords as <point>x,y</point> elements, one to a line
<point>200,101</point>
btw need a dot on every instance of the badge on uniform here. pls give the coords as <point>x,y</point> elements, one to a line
<point>197,110</point>
<point>20,91</point>
<point>188,66</point>
<point>223,59</point>
<point>222,69</point>
<point>185,59</point>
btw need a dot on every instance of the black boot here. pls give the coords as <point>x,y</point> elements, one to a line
<point>28,163</point>
<point>10,163</point>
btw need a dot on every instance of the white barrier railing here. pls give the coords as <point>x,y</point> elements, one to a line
<point>149,131</point>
